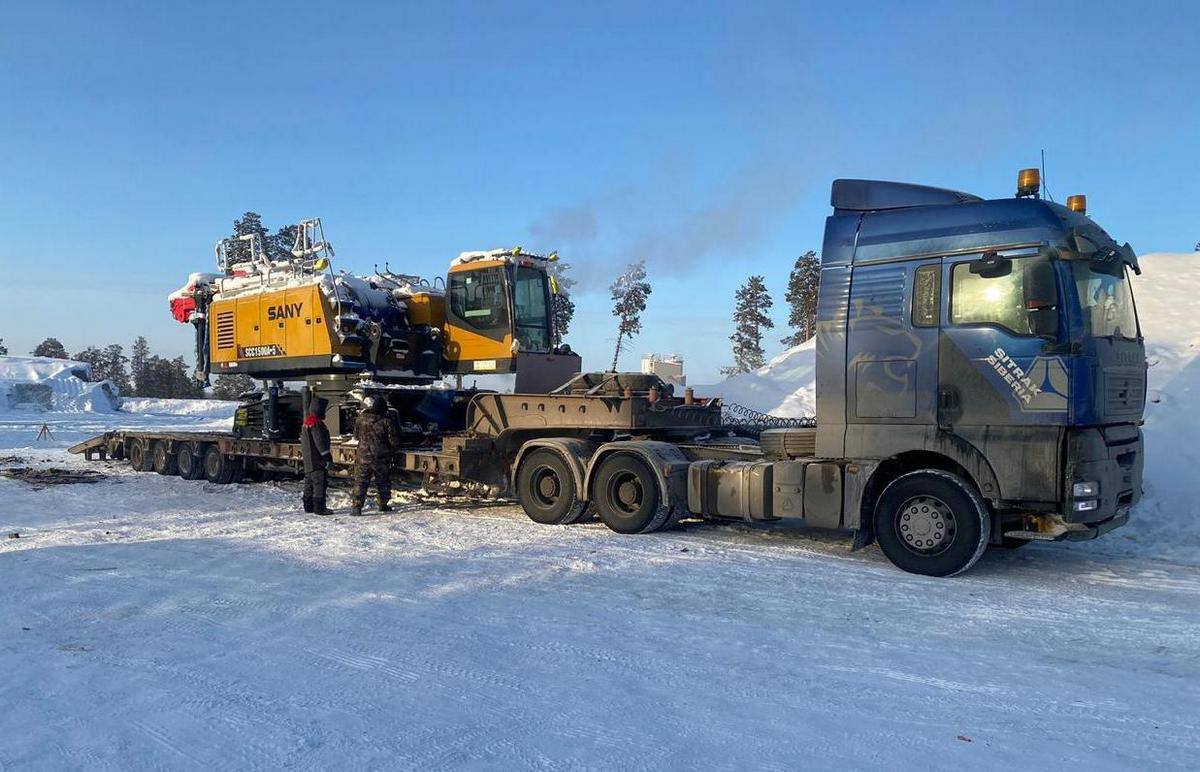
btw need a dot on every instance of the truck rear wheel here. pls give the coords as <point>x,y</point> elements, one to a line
<point>190,460</point>
<point>546,489</point>
<point>219,468</point>
<point>163,459</point>
<point>139,456</point>
<point>932,522</point>
<point>627,497</point>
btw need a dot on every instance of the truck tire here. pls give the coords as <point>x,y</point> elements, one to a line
<point>162,459</point>
<point>627,496</point>
<point>190,460</point>
<point>546,489</point>
<point>218,467</point>
<point>932,522</point>
<point>139,456</point>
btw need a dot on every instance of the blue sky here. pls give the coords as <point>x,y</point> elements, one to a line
<point>699,137</point>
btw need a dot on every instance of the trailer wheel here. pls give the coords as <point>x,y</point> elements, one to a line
<point>627,497</point>
<point>546,489</point>
<point>162,459</point>
<point>190,460</point>
<point>218,467</point>
<point>932,522</point>
<point>139,456</point>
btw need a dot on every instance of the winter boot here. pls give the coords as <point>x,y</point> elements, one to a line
<point>308,504</point>
<point>383,506</point>
<point>355,508</point>
<point>319,508</point>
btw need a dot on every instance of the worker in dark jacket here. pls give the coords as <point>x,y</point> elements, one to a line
<point>378,439</point>
<point>314,443</point>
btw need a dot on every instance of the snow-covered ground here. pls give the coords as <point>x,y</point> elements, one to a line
<point>151,622</point>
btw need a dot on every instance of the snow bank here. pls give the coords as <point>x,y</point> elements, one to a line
<point>198,408</point>
<point>1169,515</point>
<point>60,385</point>
<point>785,386</point>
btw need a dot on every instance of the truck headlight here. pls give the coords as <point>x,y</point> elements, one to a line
<point>1085,506</point>
<point>1083,489</point>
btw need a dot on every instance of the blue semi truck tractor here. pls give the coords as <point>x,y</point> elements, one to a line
<point>980,380</point>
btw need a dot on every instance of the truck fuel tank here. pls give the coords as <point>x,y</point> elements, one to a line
<point>731,489</point>
<point>805,489</point>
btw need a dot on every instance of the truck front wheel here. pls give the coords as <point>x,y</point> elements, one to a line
<point>932,522</point>
<point>546,489</point>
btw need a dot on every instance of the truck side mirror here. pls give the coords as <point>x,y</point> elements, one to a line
<point>991,266</point>
<point>1043,321</point>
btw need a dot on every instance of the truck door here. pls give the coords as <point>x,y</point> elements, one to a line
<point>1000,312</point>
<point>892,344</point>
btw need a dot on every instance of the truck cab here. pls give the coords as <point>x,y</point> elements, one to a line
<point>993,340</point>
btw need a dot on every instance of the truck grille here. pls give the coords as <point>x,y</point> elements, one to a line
<point>225,330</point>
<point>1124,393</point>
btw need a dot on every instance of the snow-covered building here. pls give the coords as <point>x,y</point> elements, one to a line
<point>669,367</point>
<point>62,385</point>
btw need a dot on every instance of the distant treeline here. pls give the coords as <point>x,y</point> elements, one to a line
<point>141,373</point>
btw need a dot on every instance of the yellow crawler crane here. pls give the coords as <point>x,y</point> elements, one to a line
<point>294,318</point>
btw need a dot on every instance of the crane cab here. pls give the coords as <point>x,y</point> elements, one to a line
<point>499,319</point>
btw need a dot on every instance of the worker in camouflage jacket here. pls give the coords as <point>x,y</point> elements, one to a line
<point>314,444</point>
<point>378,439</point>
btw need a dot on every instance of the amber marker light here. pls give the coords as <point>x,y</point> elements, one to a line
<point>1029,182</point>
<point>1077,203</point>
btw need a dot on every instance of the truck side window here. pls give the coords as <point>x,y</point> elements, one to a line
<point>1024,301</point>
<point>927,292</point>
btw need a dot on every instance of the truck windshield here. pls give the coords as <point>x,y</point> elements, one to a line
<point>1105,300</point>
<point>529,300</point>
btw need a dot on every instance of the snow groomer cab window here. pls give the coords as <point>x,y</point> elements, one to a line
<point>1018,294</point>
<point>478,298</point>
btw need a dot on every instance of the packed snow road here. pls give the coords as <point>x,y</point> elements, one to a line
<point>151,622</point>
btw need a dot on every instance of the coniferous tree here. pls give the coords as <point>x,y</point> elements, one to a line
<point>750,319</point>
<point>231,385</point>
<point>3,348</point>
<point>167,378</point>
<point>562,308</point>
<point>94,357</point>
<point>629,294</point>
<point>116,367</point>
<point>250,222</point>
<point>279,246</point>
<point>51,347</point>
<point>108,364</point>
<point>802,297</point>
<point>138,357</point>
